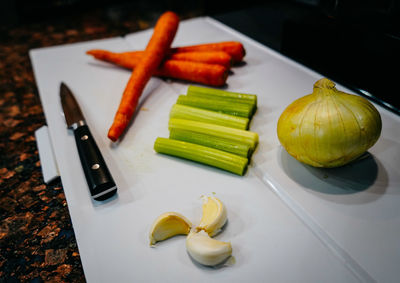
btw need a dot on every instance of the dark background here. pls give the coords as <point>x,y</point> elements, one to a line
<point>354,42</point>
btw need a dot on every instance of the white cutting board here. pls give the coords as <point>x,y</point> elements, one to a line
<point>288,222</point>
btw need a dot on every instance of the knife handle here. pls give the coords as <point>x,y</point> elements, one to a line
<point>98,177</point>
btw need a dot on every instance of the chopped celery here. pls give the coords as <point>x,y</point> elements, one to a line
<point>219,105</point>
<point>202,115</point>
<point>213,92</point>
<point>241,136</point>
<point>234,147</point>
<point>202,154</point>
<point>252,105</point>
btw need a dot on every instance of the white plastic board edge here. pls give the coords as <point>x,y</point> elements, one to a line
<point>46,155</point>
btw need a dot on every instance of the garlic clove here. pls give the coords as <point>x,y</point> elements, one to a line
<point>214,216</point>
<point>168,225</point>
<point>206,250</point>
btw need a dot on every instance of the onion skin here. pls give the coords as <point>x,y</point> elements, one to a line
<point>328,128</point>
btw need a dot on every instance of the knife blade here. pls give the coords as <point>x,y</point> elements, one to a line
<point>98,177</point>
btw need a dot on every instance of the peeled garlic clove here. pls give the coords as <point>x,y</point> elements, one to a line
<point>214,216</point>
<point>168,225</point>
<point>328,128</point>
<point>207,250</point>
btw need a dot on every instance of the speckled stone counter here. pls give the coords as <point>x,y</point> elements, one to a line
<point>36,235</point>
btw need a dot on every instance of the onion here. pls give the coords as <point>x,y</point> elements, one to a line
<point>329,128</point>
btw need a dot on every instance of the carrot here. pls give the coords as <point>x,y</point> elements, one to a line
<point>233,48</point>
<point>130,59</point>
<point>210,57</point>
<point>127,60</point>
<point>158,46</point>
<point>207,74</point>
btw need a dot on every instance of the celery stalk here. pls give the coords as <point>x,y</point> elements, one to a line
<point>213,92</point>
<point>202,154</point>
<point>241,136</point>
<point>219,105</point>
<point>252,105</point>
<point>234,147</point>
<point>197,114</point>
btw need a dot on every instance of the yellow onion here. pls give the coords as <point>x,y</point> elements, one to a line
<point>329,128</point>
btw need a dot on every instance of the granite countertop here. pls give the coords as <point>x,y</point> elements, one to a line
<point>36,235</point>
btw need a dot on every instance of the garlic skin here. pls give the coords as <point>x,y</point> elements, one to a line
<point>167,225</point>
<point>206,250</point>
<point>328,128</point>
<point>214,216</point>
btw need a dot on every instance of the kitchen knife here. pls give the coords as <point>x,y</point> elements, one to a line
<point>98,177</point>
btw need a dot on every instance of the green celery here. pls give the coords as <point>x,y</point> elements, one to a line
<point>213,92</point>
<point>202,154</point>
<point>234,147</point>
<point>202,115</point>
<point>252,105</point>
<point>219,105</point>
<point>241,136</point>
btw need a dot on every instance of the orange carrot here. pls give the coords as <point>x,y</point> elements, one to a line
<point>208,74</point>
<point>198,72</point>
<point>210,57</point>
<point>127,60</point>
<point>130,59</point>
<point>233,48</point>
<point>158,46</point>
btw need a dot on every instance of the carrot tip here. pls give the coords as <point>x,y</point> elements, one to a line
<point>112,137</point>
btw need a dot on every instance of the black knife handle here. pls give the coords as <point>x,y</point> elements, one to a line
<point>98,177</point>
